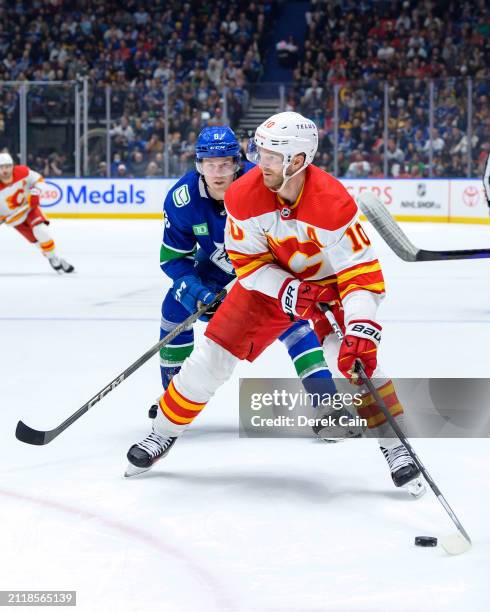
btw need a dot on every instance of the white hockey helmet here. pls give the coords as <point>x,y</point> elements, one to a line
<point>6,159</point>
<point>289,134</point>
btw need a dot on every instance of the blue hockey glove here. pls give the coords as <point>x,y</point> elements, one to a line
<point>191,293</point>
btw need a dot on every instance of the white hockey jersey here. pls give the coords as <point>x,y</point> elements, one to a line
<point>318,238</point>
<point>14,196</point>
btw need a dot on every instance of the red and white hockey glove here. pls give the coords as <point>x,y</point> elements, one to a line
<point>300,298</point>
<point>33,197</point>
<point>361,342</point>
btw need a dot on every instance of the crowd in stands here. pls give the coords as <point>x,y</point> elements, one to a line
<point>359,45</point>
<point>206,52</point>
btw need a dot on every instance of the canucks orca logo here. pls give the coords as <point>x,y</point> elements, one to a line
<point>181,196</point>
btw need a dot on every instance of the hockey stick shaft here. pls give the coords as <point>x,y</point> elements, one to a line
<point>399,433</point>
<point>486,180</point>
<point>377,213</point>
<point>24,433</point>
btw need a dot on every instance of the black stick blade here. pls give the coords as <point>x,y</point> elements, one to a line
<point>26,434</point>
<point>423,255</point>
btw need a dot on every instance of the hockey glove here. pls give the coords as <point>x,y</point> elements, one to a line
<point>191,293</point>
<point>361,342</point>
<point>300,299</point>
<point>33,197</point>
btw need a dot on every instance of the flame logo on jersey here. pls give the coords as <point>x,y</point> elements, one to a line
<point>304,259</point>
<point>16,199</point>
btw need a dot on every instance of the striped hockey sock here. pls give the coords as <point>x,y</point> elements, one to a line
<point>176,412</point>
<point>307,356</point>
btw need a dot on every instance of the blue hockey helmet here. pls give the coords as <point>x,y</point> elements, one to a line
<point>215,142</point>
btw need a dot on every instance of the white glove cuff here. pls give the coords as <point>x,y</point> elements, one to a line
<point>369,330</point>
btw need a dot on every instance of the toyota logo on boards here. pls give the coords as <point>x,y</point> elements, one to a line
<point>471,196</point>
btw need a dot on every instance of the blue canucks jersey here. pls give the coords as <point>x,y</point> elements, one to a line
<point>193,220</point>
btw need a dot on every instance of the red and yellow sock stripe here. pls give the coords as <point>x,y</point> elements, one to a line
<point>177,409</point>
<point>371,411</point>
<point>47,247</point>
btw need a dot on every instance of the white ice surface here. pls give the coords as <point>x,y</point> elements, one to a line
<point>224,523</point>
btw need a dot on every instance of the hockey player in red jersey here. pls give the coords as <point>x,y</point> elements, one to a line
<point>294,238</point>
<point>19,208</point>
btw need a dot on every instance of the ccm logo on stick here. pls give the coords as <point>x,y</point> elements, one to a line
<point>106,391</point>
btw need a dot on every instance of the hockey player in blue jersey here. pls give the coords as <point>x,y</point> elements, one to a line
<point>193,256</point>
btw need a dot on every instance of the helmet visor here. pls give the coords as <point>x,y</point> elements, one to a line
<point>263,157</point>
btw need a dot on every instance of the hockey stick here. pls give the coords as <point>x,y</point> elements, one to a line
<point>453,544</point>
<point>398,241</point>
<point>26,434</point>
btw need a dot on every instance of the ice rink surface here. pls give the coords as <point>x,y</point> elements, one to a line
<point>225,523</point>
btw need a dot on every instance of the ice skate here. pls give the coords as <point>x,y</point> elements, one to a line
<point>404,472</point>
<point>144,454</point>
<point>337,425</point>
<point>61,266</point>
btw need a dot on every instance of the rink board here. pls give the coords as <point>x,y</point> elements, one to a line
<point>434,200</point>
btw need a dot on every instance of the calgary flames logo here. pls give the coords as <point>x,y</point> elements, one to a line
<point>302,258</point>
<point>16,199</point>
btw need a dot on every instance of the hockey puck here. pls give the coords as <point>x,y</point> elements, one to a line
<point>425,541</point>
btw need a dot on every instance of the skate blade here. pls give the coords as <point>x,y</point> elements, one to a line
<point>132,470</point>
<point>416,487</point>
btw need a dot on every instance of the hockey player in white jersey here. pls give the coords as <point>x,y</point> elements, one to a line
<point>294,238</point>
<point>19,208</point>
